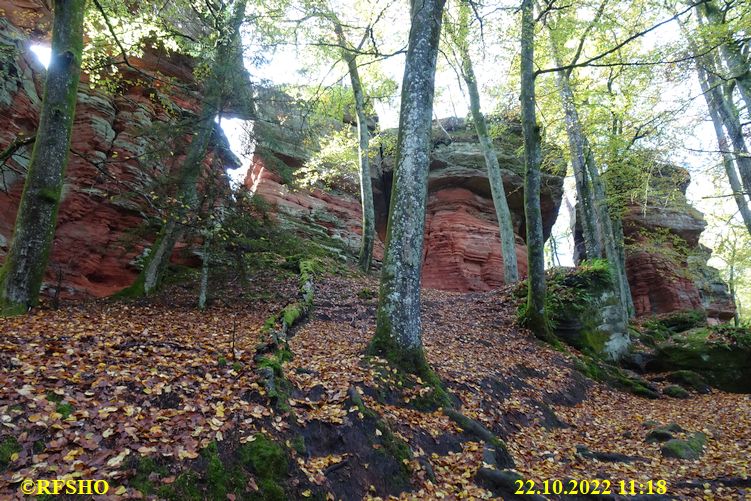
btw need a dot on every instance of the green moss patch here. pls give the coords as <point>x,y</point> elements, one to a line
<point>615,376</point>
<point>690,448</point>
<point>8,447</point>
<point>230,470</point>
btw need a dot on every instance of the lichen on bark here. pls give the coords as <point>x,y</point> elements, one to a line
<point>398,327</point>
<point>26,262</point>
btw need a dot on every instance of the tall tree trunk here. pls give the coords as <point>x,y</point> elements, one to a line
<point>610,240</point>
<point>713,96</point>
<point>203,290</point>
<point>730,50</point>
<point>536,316</point>
<point>578,147</point>
<point>22,274</point>
<point>366,187</point>
<point>398,335</point>
<point>724,116</point>
<point>599,231</point>
<point>156,264</point>
<point>502,212</point>
<point>727,114</point>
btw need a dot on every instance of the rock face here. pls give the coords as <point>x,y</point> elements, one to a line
<point>462,241</point>
<point>666,265</point>
<point>116,158</point>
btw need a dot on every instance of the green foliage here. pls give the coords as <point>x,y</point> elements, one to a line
<point>8,447</point>
<point>739,336</point>
<point>663,242</point>
<point>336,163</point>
<point>663,327</point>
<point>570,291</point>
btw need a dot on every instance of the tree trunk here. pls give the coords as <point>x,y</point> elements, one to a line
<point>398,328</point>
<point>158,260</point>
<point>366,187</point>
<point>610,241</point>
<point>576,141</point>
<point>730,50</point>
<point>204,284</point>
<point>721,113</point>
<point>713,96</point>
<point>502,212</point>
<point>729,117</point>
<point>536,316</point>
<point>597,225</point>
<point>22,274</point>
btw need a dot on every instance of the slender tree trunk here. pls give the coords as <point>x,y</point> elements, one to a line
<point>597,223</point>
<point>158,260</point>
<point>578,147</point>
<point>22,274</point>
<point>714,97</point>
<point>536,316</point>
<point>728,116</point>
<point>366,187</point>
<point>398,328</point>
<point>502,212</point>
<point>205,261</point>
<point>730,50</point>
<point>723,117</point>
<point>610,241</point>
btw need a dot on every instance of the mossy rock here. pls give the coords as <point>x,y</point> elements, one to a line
<point>615,376</point>
<point>662,433</point>
<point>676,391</point>
<point>725,367</point>
<point>689,379</point>
<point>690,448</point>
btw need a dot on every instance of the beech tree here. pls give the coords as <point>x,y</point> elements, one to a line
<point>602,237</point>
<point>398,336</point>
<point>26,262</point>
<point>459,37</point>
<point>725,117</point>
<point>536,318</point>
<point>225,67</point>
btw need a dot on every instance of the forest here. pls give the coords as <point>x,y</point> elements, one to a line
<point>358,249</point>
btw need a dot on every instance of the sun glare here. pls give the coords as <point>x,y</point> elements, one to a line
<point>43,54</point>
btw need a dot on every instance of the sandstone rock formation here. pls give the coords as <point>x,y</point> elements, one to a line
<point>666,265</point>
<point>117,157</point>
<point>462,242</point>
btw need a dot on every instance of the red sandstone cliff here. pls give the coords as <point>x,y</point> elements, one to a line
<point>116,157</point>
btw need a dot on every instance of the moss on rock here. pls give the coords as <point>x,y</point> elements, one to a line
<point>690,448</point>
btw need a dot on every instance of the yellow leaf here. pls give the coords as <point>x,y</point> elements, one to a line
<point>307,493</point>
<point>120,490</point>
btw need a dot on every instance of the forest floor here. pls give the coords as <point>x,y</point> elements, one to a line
<point>87,391</point>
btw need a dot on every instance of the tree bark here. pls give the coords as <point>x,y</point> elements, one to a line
<point>724,116</point>
<point>398,328</point>
<point>713,96</point>
<point>26,262</point>
<point>158,260</point>
<point>578,147</point>
<point>728,115</point>
<point>611,240</point>
<point>502,212</point>
<point>730,50</point>
<point>597,225</point>
<point>536,316</point>
<point>366,187</point>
